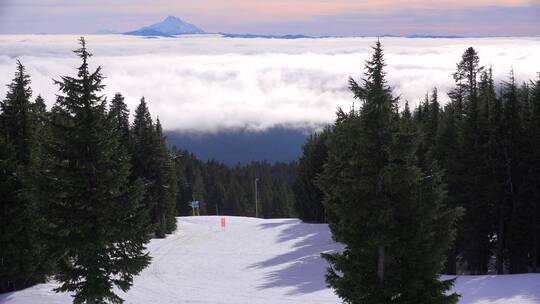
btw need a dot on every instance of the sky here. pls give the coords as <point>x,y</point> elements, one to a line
<point>209,84</point>
<point>310,17</point>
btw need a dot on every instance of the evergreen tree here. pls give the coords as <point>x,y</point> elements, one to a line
<point>143,159</point>
<point>513,149</point>
<point>407,123</point>
<point>142,134</point>
<point>22,258</point>
<point>532,187</point>
<point>427,120</point>
<point>490,123</point>
<point>447,155</point>
<point>183,195</point>
<point>97,226</point>
<point>40,132</point>
<point>165,186</point>
<point>153,164</point>
<point>17,115</point>
<point>466,75</point>
<point>119,113</point>
<point>308,196</point>
<point>389,214</point>
<point>474,149</point>
<point>235,198</point>
<point>199,190</point>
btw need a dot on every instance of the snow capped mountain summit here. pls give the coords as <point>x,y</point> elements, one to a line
<point>175,26</point>
<point>170,26</point>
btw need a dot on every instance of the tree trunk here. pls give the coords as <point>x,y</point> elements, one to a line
<point>536,236</point>
<point>535,251</point>
<point>451,268</point>
<point>500,244</point>
<point>380,265</point>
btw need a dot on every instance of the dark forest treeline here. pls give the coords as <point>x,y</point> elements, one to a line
<point>83,189</point>
<point>231,191</point>
<point>486,141</point>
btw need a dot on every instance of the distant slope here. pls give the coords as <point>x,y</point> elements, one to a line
<point>435,36</point>
<point>256,261</point>
<point>169,27</point>
<point>276,144</point>
<point>297,36</point>
<point>106,32</point>
<point>147,32</point>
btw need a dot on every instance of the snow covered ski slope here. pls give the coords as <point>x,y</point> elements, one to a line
<point>259,261</point>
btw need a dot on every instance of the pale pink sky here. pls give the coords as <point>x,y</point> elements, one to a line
<point>314,17</point>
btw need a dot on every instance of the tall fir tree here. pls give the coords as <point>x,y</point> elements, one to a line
<point>474,149</point>
<point>166,185</point>
<point>490,134</point>
<point>513,155</point>
<point>143,140</point>
<point>532,189</point>
<point>427,118</point>
<point>142,134</point>
<point>308,197</point>
<point>183,194</point>
<point>97,225</point>
<point>389,214</point>
<point>407,123</point>
<point>17,115</point>
<point>447,156</point>
<point>119,113</point>
<point>23,261</point>
<point>153,164</point>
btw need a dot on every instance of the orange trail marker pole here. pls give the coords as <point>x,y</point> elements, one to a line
<point>223,222</point>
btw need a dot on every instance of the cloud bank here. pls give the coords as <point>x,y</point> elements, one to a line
<point>202,84</point>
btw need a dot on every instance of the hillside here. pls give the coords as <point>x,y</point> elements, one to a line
<point>259,261</point>
<point>242,147</point>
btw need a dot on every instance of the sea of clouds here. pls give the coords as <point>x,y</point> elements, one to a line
<point>202,84</point>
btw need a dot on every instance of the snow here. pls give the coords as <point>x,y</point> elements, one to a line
<point>259,261</point>
<point>174,26</point>
<point>499,289</point>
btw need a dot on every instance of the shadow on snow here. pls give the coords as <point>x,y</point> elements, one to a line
<point>302,268</point>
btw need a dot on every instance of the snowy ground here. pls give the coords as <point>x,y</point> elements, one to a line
<point>259,261</point>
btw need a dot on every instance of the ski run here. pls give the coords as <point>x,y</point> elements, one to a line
<point>259,261</point>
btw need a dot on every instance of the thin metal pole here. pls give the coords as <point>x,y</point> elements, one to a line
<point>256,199</point>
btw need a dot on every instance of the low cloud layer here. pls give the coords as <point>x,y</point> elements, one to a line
<point>209,84</point>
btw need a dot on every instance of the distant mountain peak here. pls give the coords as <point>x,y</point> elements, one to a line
<point>172,18</point>
<point>170,26</point>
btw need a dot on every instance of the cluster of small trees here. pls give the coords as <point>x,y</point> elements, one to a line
<point>224,190</point>
<point>82,191</point>
<point>450,189</point>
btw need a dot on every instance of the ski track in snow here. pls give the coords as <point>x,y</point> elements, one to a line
<point>259,261</point>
